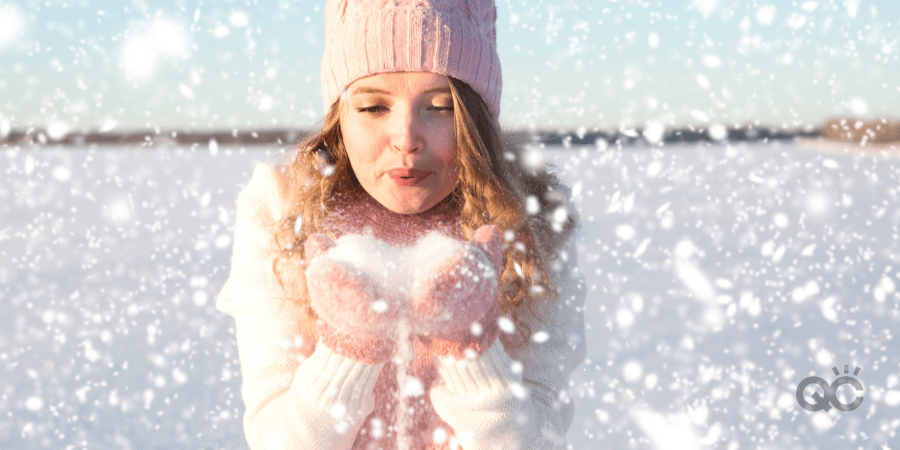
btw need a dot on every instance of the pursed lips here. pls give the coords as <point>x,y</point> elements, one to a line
<point>407,176</point>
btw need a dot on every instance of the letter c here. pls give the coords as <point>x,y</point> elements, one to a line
<point>840,382</point>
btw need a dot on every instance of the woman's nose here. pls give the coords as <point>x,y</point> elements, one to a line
<point>406,132</point>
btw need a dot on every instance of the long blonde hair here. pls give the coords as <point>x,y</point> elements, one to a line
<point>492,189</point>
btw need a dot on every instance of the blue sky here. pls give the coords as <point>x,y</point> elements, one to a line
<point>87,65</point>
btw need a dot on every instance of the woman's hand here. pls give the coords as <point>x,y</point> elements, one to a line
<point>357,318</point>
<point>455,300</point>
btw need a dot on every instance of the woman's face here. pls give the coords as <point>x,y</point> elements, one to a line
<point>399,133</point>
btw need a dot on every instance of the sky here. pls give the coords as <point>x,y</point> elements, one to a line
<point>87,65</point>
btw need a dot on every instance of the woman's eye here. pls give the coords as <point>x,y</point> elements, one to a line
<point>371,109</point>
<point>441,108</point>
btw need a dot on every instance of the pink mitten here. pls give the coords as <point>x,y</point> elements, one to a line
<point>455,300</point>
<point>357,321</point>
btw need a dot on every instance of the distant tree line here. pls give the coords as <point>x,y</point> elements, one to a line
<point>850,130</point>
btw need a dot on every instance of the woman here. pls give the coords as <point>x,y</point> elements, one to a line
<point>408,180</point>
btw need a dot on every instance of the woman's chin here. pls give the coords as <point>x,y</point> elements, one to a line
<point>408,204</point>
<point>408,207</point>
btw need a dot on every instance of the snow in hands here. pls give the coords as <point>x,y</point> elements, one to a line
<point>436,284</point>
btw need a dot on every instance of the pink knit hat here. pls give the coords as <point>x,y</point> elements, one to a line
<point>450,37</point>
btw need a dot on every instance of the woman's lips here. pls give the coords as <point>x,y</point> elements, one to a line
<point>408,177</point>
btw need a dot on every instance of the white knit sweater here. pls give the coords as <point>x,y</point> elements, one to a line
<point>300,395</point>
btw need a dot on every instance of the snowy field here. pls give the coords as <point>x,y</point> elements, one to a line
<point>720,277</point>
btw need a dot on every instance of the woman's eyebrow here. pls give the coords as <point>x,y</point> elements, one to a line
<point>369,90</point>
<point>438,89</point>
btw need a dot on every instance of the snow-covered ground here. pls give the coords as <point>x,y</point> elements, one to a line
<point>720,277</point>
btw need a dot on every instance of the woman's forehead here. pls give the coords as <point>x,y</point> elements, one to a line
<point>401,83</point>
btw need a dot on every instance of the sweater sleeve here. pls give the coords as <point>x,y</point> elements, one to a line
<point>292,401</point>
<point>519,400</point>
